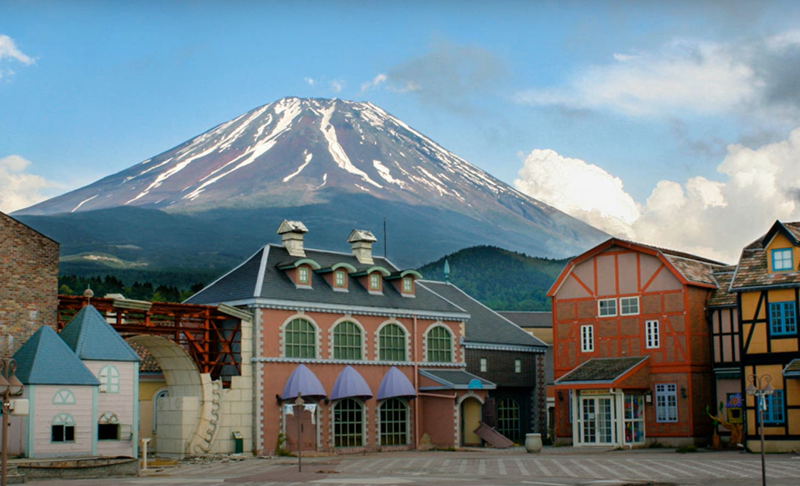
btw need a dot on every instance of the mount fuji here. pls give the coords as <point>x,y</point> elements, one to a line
<point>333,164</point>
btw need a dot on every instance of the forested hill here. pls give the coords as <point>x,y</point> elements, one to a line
<point>500,279</point>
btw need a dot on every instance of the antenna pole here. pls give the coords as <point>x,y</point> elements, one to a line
<point>384,238</point>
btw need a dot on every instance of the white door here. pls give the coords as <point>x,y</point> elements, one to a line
<point>597,420</point>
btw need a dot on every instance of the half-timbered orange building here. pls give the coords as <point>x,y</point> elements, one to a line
<point>632,347</point>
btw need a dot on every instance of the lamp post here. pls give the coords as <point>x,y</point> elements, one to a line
<point>299,404</point>
<point>9,386</point>
<point>760,392</point>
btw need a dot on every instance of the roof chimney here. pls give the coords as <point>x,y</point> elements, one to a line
<point>361,243</point>
<point>292,237</point>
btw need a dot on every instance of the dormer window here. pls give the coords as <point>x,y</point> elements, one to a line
<point>303,276</point>
<point>375,282</point>
<point>782,260</point>
<point>408,285</point>
<point>339,279</point>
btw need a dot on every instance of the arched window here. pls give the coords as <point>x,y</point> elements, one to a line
<point>64,397</point>
<point>508,418</point>
<point>300,339</point>
<point>109,379</point>
<point>62,428</point>
<point>440,345</point>
<point>108,427</point>
<point>348,423</point>
<point>394,422</point>
<point>347,341</point>
<point>392,343</point>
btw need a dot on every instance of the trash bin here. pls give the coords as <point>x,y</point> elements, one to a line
<point>238,443</point>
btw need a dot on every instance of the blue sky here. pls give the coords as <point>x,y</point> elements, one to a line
<point>645,119</point>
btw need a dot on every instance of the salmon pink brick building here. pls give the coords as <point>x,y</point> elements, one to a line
<point>376,358</point>
<point>632,346</point>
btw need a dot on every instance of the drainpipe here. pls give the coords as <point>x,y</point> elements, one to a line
<point>416,385</point>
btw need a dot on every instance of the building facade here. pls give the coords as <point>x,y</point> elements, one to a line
<point>632,348</point>
<point>499,351</point>
<point>375,358</point>
<point>767,286</point>
<point>29,272</point>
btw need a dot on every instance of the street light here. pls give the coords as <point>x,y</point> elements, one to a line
<point>9,386</point>
<point>755,389</point>
<point>299,404</point>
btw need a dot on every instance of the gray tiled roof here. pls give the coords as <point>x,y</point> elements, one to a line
<point>240,284</point>
<point>753,270</point>
<point>92,338</point>
<point>602,370</point>
<point>792,370</point>
<point>455,378</point>
<point>484,324</point>
<point>542,319</point>
<point>45,359</point>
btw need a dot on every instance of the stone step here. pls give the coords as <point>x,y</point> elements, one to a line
<point>12,476</point>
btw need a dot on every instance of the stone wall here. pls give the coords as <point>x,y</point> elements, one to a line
<point>29,276</point>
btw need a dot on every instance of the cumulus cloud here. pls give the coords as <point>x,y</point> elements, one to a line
<point>710,218</point>
<point>309,81</point>
<point>21,189</point>
<point>448,75</point>
<point>753,77</point>
<point>564,183</point>
<point>10,52</point>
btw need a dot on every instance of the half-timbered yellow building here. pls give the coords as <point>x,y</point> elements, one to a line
<point>767,281</point>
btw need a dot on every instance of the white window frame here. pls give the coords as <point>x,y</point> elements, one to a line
<point>605,312</point>
<point>517,366</point>
<point>374,282</point>
<point>408,285</point>
<point>587,338</point>
<point>666,403</point>
<point>109,379</point>
<point>339,279</point>
<point>484,365</point>
<point>652,335</point>
<point>303,276</point>
<point>622,306</point>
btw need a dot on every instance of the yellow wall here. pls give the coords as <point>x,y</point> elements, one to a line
<point>543,333</point>
<point>147,390</point>
<point>758,343</point>
<point>778,242</point>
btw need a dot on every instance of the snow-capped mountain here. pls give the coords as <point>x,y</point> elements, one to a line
<point>309,152</point>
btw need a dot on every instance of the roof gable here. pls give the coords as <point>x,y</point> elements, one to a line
<point>92,338</point>
<point>753,270</point>
<point>45,359</point>
<point>687,268</point>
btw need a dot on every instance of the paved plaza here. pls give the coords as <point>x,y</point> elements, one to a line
<point>551,468</point>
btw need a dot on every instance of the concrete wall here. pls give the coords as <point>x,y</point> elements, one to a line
<point>29,293</point>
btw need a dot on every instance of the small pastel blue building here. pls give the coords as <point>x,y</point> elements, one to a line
<point>82,386</point>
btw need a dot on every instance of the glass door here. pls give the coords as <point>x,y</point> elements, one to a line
<point>597,417</point>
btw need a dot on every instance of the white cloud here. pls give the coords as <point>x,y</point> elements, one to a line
<point>337,85</point>
<point>309,81</point>
<point>10,52</point>
<point>374,83</point>
<point>19,188</point>
<point>686,77</point>
<point>709,218</point>
<point>565,183</point>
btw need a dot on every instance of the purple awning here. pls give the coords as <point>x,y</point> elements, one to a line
<point>350,384</point>
<point>395,384</point>
<point>303,381</point>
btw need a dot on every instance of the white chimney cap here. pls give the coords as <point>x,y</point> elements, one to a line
<point>361,235</point>
<point>292,227</point>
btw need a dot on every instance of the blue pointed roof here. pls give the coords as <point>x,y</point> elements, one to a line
<point>92,338</point>
<point>302,381</point>
<point>350,383</point>
<point>45,359</point>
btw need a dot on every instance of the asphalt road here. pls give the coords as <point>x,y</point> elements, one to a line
<point>553,467</point>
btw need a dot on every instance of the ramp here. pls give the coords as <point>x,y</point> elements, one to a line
<point>492,437</point>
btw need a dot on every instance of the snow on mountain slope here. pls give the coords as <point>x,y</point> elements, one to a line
<point>295,152</point>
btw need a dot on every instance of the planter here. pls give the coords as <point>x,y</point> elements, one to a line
<point>533,442</point>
